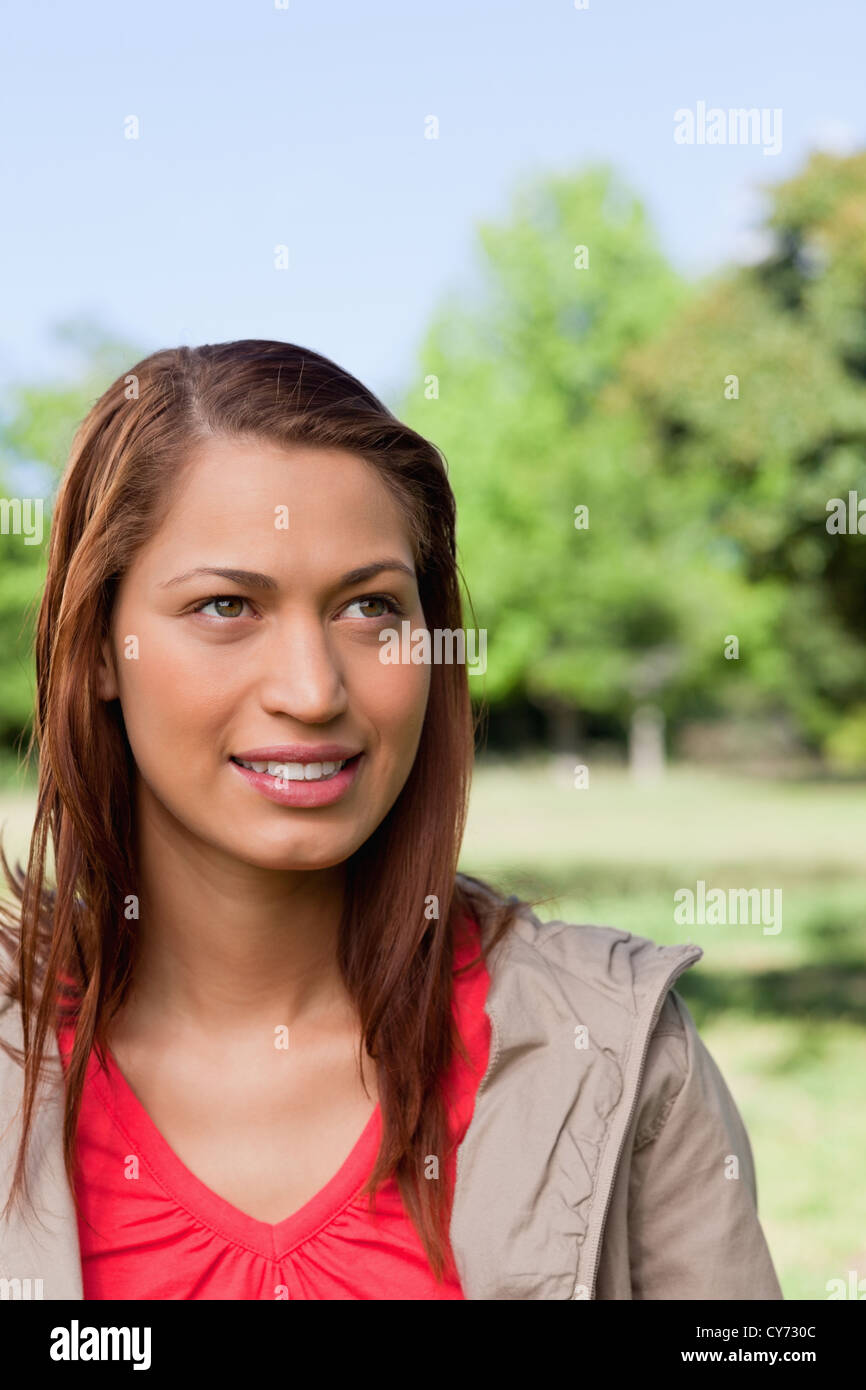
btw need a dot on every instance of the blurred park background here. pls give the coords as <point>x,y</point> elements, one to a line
<point>644,448</point>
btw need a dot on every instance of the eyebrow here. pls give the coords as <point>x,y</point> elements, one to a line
<point>253,580</point>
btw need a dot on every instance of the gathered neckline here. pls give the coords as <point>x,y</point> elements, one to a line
<point>274,1240</point>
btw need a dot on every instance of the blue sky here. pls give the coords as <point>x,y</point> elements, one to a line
<point>304,126</point>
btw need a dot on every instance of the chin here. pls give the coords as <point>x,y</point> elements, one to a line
<point>304,860</point>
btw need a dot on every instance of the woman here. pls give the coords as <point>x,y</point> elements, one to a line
<point>288,1051</point>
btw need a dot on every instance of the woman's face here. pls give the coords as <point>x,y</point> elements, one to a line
<point>273,665</point>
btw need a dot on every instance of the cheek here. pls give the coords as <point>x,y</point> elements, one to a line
<point>168,693</point>
<point>396,702</point>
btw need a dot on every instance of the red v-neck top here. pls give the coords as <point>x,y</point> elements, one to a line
<point>164,1235</point>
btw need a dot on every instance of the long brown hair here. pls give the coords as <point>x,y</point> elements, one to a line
<point>397,965</point>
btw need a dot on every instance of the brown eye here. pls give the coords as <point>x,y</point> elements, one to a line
<point>391,604</point>
<point>218,603</point>
<point>363,601</point>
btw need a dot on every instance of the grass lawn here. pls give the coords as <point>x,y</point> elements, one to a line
<point>783,1014</point>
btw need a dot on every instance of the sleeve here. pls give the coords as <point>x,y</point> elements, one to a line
<point>693,1221</point>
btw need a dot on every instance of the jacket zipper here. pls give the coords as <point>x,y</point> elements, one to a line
<point>492,1059</point>
<point>611,1168</point>
<point>491,1062</point>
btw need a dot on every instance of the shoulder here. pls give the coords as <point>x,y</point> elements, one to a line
<point>672,1056</point>
<point>10,1010</point>
<point>11,1036</point>
<point>640,1028</point>
<point>584,961</point>
<point>548,978</point>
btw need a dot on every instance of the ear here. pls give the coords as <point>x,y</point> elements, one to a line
<point>106,674</point>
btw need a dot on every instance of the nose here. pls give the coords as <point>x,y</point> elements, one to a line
<point>301,672</point>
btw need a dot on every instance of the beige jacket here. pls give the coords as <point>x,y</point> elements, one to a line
<point>605,1159</point>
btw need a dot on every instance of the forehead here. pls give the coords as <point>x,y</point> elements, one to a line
<point>303,501</point>
<point>249,471</point>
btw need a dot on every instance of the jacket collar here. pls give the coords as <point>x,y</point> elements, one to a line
<point>572,1011</point>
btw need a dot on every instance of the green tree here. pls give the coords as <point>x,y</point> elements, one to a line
<point>37,424</point>
<point>762,462</point>
<point>521,390</point>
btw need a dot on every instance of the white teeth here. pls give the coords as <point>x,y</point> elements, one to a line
<point>296,772</point>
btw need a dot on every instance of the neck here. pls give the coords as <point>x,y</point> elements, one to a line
<point>226,946</point>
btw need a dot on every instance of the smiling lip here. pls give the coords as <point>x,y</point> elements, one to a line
<point>298,753</point>
<point>304,794</point>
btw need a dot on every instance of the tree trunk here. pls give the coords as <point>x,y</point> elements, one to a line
<point>646,745</point>
<point>563,724</point>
